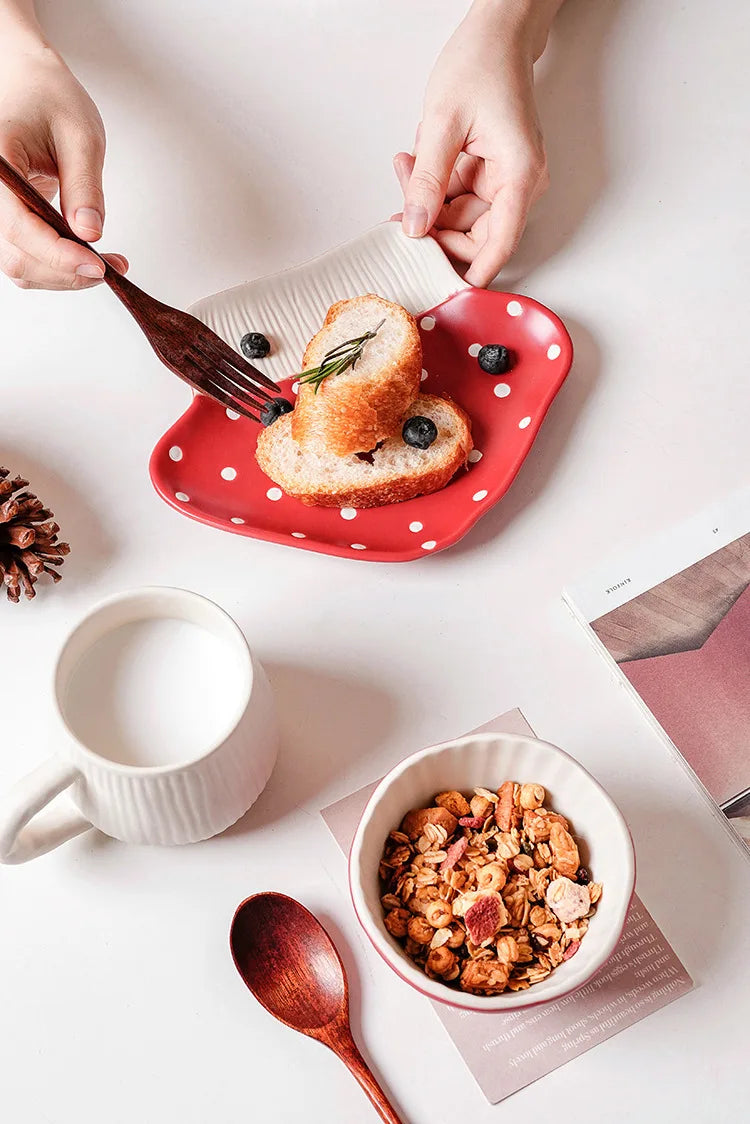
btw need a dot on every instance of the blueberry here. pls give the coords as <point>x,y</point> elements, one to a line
<point>583,877</point>
<point>254,345</point>
<point>494,359</point>
<point>419,432</point>
<point>273,410</point>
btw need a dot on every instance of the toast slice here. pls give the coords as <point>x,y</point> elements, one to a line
<point>398,471</point>
<point>353,411</point>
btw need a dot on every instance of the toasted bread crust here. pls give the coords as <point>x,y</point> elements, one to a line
<point>395,489</point>
<point>353,417</point>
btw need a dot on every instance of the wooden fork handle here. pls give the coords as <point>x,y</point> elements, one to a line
<point>29,195</point>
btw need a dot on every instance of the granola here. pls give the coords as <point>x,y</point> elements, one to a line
<point>485,891</point>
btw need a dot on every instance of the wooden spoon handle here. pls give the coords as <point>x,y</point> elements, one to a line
<point>346,1048</point>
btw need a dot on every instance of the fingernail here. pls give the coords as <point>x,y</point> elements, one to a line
<point>90,271</point>
<point>415,221</point>
<point>88,220</point>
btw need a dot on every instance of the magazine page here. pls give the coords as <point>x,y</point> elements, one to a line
<point>675,618</point>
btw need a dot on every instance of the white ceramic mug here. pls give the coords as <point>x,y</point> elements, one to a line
<point>180,801</point>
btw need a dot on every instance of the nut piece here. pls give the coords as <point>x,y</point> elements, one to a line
<point>504,806</point>
<point>396,922</point>
<point>532,796</point>
<point>567,900</point>
<point>565,858</point>
<point>485,977</point>
<point>420,930</point>
<point>414,822</point>
<point>481,807</point>
<point>456,804</point>
<point>439,914</point>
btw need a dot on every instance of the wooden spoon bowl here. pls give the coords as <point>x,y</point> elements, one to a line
<point>291,965</point>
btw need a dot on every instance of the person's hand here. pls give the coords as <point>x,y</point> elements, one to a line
<point>479,161</point>
<point>51,132</point>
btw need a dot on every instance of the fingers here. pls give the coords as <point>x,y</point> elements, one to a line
<point>461,213</point>
<point>35,256</point>
<point>440,141</point>
<point>403,166</point>
<point>506,220</point>
<point>80,158</point>
<point>34,275</point>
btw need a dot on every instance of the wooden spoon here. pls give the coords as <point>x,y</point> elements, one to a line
<point>291,965</point>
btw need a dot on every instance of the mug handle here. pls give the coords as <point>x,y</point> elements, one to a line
<point>21,840</point>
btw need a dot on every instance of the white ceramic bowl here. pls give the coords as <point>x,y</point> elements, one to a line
<point>487,760</point>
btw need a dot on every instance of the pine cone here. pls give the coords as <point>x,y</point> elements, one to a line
<point>28,539</point>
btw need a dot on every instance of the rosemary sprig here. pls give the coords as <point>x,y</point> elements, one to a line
<point>339,359</point>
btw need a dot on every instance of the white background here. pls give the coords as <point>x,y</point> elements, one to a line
<point>244,137</point>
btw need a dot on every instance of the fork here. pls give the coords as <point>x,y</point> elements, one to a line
<point>182,342</point>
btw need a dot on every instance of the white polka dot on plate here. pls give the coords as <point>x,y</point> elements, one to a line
<point>424,374</point>
<point>274,494</point>
<point>478,496</point>
<point>429,545</point>
<point>236,519</point>
<point>348,513</point>
<point>427,323</point>
<point>474,349</point>
<point>175,453</point>
<point>183,497</point>
<point>232,415</point>
<point>501,390</point>
<point>295,388</point>
<point>475,456</point>
<point>358,546</point>
<point>553,351</point>
<point>524,423</point>
<point>229,473</point>
<point>513,308</point>
<point>416,527</point>
<point>298,535</point>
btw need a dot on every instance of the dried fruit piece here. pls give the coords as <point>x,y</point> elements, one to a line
<point>414,822</point>
<point>485,917</point>
<point>571,950</point>
<point>455,802</point>
<point>454,853</point>
<point>474,822</point>
<point>567,900</point>
<point>504,806</point>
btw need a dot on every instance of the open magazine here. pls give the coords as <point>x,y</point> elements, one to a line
<point>674,615</point>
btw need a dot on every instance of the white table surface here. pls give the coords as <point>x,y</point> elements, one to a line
<point>244,137</point>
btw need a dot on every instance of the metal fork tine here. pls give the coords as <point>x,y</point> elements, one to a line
<point>245,369</point>
<point>198,378</point>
